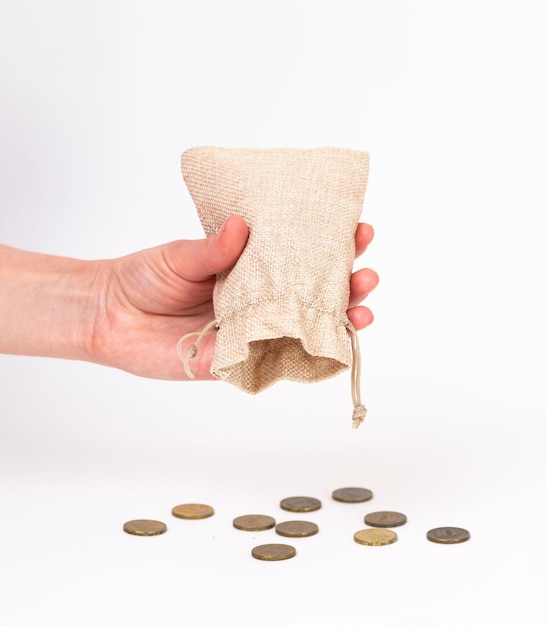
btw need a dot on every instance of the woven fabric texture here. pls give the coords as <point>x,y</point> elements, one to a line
<point>281,311</point>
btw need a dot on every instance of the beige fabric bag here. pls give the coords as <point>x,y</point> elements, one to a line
<point>281,311</point>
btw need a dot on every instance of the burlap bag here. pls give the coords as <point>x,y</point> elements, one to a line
<point>281,311</point>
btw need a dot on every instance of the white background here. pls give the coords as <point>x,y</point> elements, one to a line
<point>97,101</point>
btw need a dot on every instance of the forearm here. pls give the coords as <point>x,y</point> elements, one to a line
<point>45,304</point>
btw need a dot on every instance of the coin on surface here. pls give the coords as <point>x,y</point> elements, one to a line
<point>144,527</point>
<point>448,534</point>
<point>273,552</point>
<point>385,519</point>
<point>300,504</point>
<point>193,511</point>
<point>254,522</point>
<point>375,537</point>
<point>352,494</point>
<point>296,529</point>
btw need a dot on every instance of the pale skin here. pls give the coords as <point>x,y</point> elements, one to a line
<point>129,312</point>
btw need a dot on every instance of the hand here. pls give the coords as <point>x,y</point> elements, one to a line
<point>146,301</point>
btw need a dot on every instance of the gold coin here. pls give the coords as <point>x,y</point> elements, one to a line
<point>375,537</point>
<point>448,534</point>
<point>273,552</point>
<point>297,529</point>
<point>144,527</point>
<point>300,504</point>
<point>254,522</point>
<point>193,511</point>
<point>385,519</point>
<point>352,494</point>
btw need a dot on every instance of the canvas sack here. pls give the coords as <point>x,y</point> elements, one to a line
<point>281,310</point>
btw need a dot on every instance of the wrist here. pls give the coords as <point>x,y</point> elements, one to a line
<point>46,304</point>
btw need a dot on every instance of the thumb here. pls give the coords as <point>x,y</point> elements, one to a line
<point>202,258</point>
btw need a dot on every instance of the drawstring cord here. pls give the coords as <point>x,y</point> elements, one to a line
<point>192,350</point>
<point>359,410</point>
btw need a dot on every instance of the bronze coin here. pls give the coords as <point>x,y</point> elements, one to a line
<point>375,537</point>
<point>254,522</point>
<point>273,552</point>
<point>144,527</point>
<point>385,519</point>
<point>300,504</point>
<point>448,534</point>
<point>297,529</point>
<point>193,511</point>
<point>352,494</point>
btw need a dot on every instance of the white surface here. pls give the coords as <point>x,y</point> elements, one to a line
<point>97,102</point>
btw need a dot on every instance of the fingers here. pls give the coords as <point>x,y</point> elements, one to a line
<point>361,284</point>
<point>363,236</point>
<point>225,248</point>
<point>197,260</point>
<point>360,317</point>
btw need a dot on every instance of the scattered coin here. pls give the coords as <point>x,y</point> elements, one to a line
<point>385,519</point>
<point>448,534</point>
<point>352,494</point>
<point>193,511</point>
<point>273,552</point>
<point>254,522</point>
<point>375,537</point>
<point>300,504</point>
<point>297,529</point>
<point>144,527</point>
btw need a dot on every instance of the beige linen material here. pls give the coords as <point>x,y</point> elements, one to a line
<point>281,310</point>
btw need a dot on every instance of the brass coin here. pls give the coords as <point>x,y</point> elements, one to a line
<point>144,527</point>
<point>352,494</point>
<point>375,537</point>
<point>254,522</point>
<point>297,529</point>
<point>448,534</point>
<point>300,504</point>
<point>193,511</point>
<point>273,552</point>
<point>385,519</point>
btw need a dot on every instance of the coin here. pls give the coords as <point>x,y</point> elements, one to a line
<point>193,511</point>
<point>297,529</point>
<point>448,534</point>
<point>375,537</point>
<point>144,527</point>
<point>273,552</point>
<point>385,519</point>
<point>254,522</point>
<point>352,494</point>
<point>300,504</point>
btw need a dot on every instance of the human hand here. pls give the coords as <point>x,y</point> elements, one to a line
<point>146,301</point>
